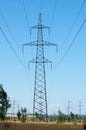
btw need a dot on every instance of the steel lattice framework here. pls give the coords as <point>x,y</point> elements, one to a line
<point>40,94</point>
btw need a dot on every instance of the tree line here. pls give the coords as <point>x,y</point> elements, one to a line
<point>22,114</point>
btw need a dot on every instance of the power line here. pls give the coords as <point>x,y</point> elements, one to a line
<point>26,14</point>
<point>4,19</point>
<point>22,52</point>
<point>14,41</point>
<point>53,12</point>
<point>73,41</point>
<point>12,47</point>
<point>26,70</point>
<point>75,20</point>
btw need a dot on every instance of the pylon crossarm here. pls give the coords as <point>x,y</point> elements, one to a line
<point>50,44</point>
<point>45,27</point>
<point>48,61</point>
<point>44,61</point>
<point>31,61</point>
<point>29,44</point>
<point>39,27</point>
<point>34,27</point>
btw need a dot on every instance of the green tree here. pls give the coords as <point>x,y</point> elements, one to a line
<point>37,115</point>
<point>4,102</point>
<point>19,115</point>
<point>61,117</point>
<point>23,114</point>
<point>72,116</point>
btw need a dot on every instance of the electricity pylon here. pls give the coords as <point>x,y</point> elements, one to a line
<point>80,107</point>
<point>40,94</point>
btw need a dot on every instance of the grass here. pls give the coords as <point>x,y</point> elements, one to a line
<point>39,126</point>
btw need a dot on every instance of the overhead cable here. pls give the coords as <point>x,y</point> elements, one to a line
<point>26,14</point>
<point>75,20</point>
<point>4,19</point>
<point>53,14</point>
<point>72,41</point>
<point>12,47</point>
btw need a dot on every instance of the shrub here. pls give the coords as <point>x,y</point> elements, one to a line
<point>84,126</point>
<point>23,114</point>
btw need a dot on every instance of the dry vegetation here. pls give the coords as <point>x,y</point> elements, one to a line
<point>39,126</point>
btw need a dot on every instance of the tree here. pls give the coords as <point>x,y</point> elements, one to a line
<point>19,115</point>
<point>23,114</point>
<point>4,102</point>
<point>72,116</point>
<point>61,117</point>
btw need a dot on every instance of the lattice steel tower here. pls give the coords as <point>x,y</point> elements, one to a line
<point>40,95</point>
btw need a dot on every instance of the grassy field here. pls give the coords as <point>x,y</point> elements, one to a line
<point>39,126</point>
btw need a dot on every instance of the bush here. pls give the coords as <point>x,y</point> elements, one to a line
<point>84,126</point>
<point>23,118</point>
<point>23,114</point>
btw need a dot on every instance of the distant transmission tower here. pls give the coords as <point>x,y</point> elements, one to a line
<point>40,94</point>
<point>80,107</point>
<point>68,108</point>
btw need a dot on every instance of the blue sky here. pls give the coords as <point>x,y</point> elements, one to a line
<point>67,80</point>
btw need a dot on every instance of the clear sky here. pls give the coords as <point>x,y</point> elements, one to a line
<point>67,80</point>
